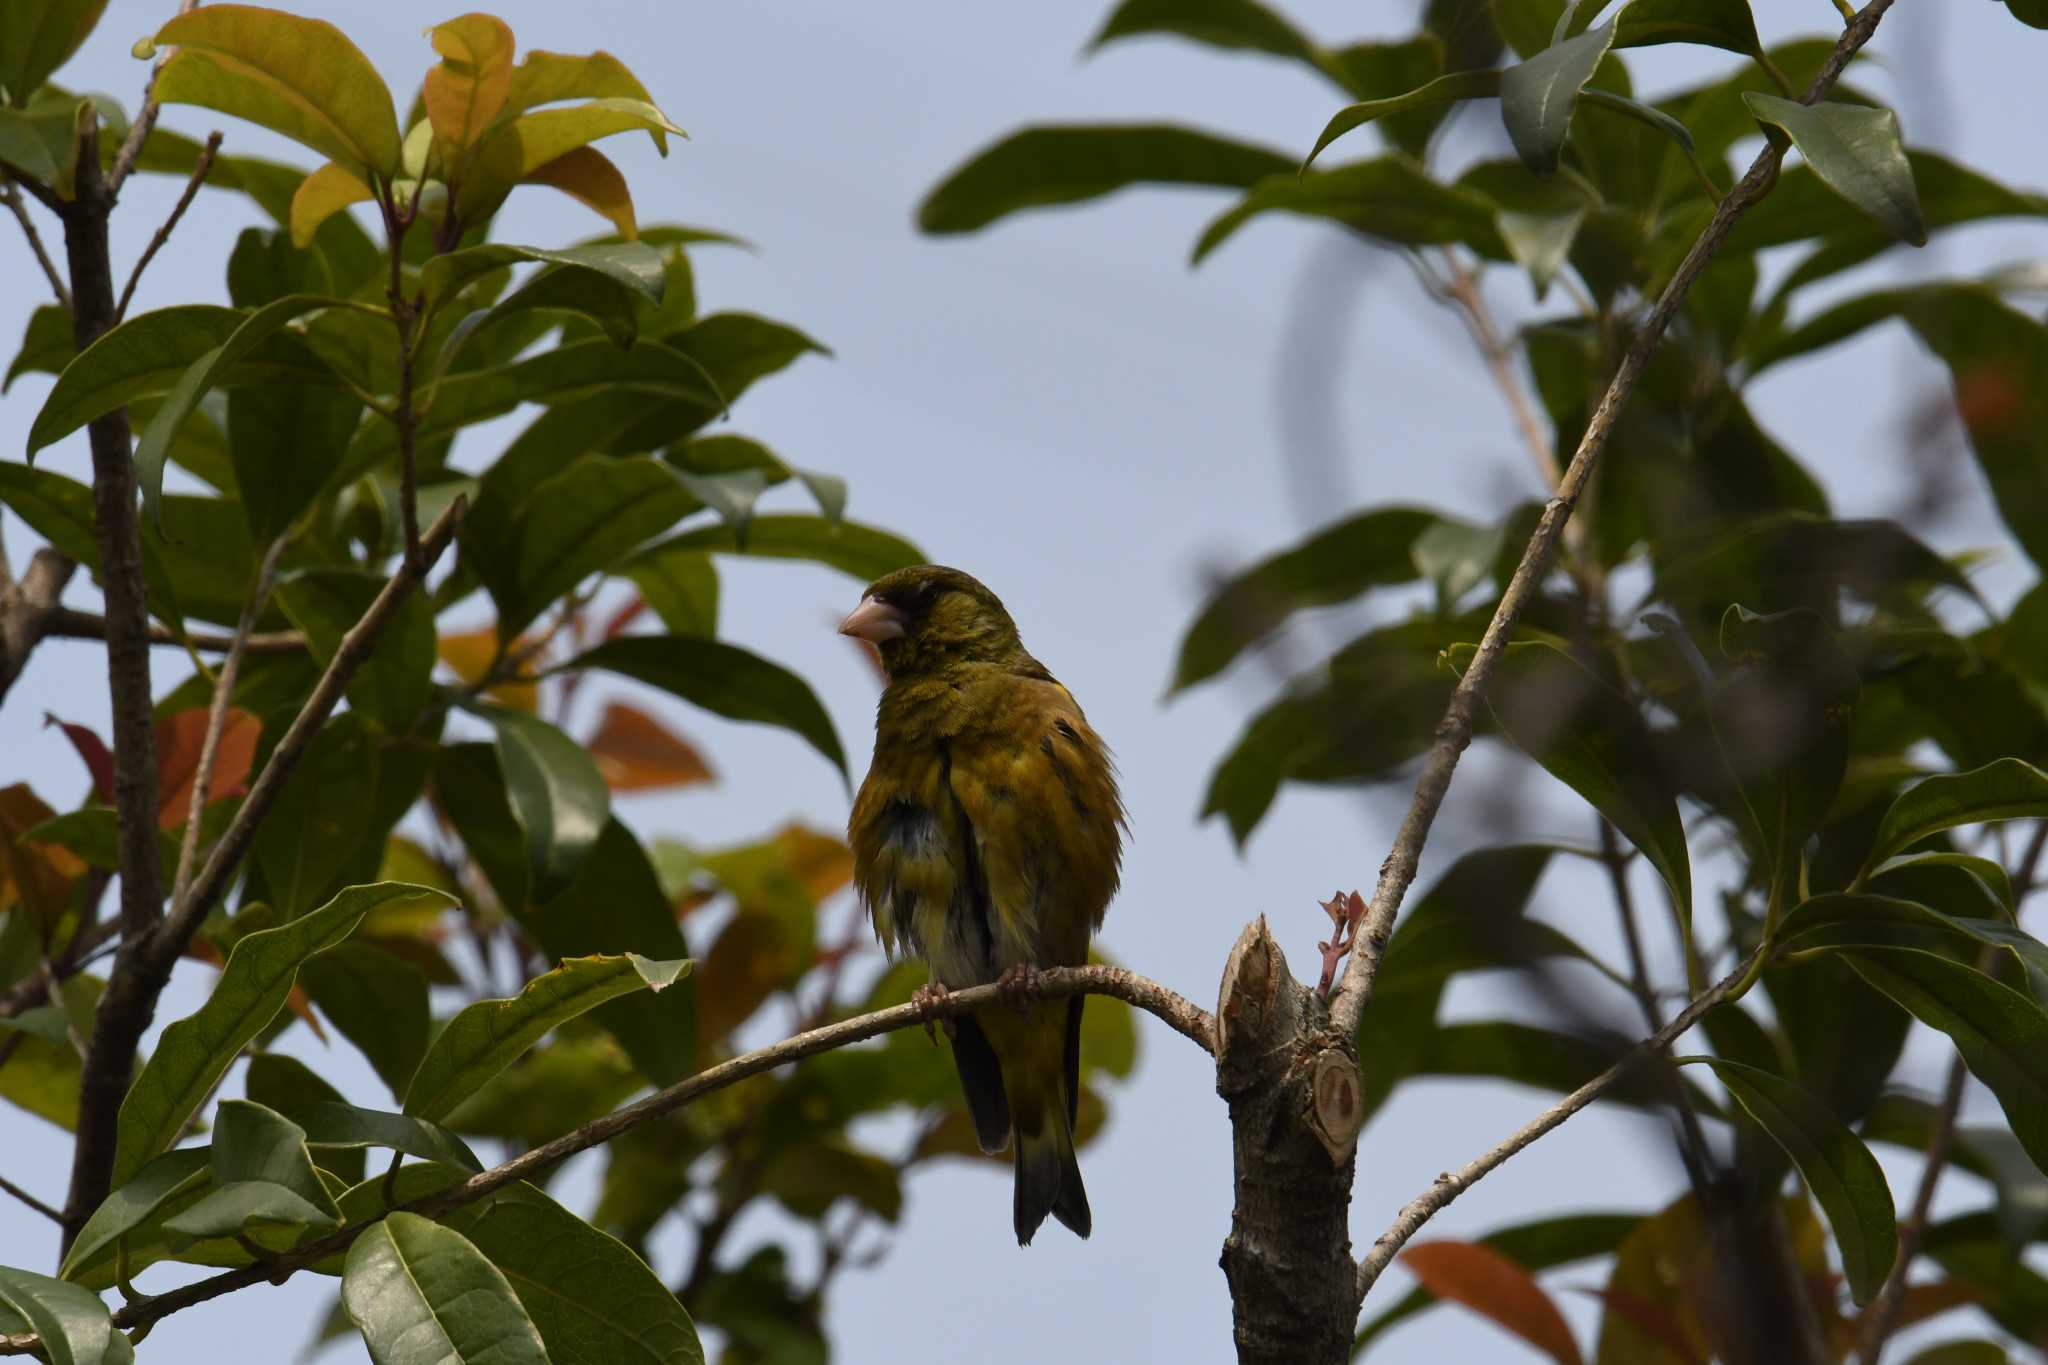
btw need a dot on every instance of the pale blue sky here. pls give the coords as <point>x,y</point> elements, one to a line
<point>1060,406</point>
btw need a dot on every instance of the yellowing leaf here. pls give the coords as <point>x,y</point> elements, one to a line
<point>468,88</point>
<point>470,653</point>
<point>636,752</point>
<point>516,149</point>
<point>320,196</point>
<point>589,177</point>
<point>551,77</point>
<point>38,874</point>
<point>299,77</point>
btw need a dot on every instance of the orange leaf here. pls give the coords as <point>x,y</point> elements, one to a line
<point>178,740</point>
<point>1491,1285</point>
<point>38,874</point>
<point>468,88</point>
<point>635,752</point>
<point>589,177</point>
<point>320,196</point>
<point>471,652</point>
<point>822,862</point>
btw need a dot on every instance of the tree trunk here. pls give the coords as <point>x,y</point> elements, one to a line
<point>1294,1095</point>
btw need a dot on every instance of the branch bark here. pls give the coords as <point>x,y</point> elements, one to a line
<point>1883,1312</point>
<point>127,1005</point>
<point>29,611</point>
<point>10,194</point>
<point>1177,1012</point>
<point>69,624</point>
<point>200,167</point>
<point>1454,731</point>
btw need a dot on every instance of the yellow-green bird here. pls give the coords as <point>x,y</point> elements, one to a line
<point>986,839</point>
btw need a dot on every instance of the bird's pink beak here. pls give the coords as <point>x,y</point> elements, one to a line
<point>875,622</point>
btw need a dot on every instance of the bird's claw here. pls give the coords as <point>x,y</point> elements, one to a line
<point>927,998</point>
<point>1019,986</point>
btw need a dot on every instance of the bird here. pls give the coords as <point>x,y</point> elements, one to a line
<point>987,839</point>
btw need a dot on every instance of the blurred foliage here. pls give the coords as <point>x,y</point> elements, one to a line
<point>1807,727</point>
<point>444,881</point>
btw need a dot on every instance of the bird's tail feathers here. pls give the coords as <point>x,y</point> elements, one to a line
<point>1049,1177</point>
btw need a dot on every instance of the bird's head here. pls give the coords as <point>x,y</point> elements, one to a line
<point>927,617</point>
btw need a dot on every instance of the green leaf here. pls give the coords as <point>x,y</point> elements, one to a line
<point>1965,1352</point>
<point>423,1295</point>
<point>196,1051</point>
<point>74,1326</point>
<point>267,1214</point>
<point>46,346</point>
<point>1388,198</point>
<point>395,683</point>
<point>1537,96</point>
<point>323,816</point>
<point>1450,89</point>
<point>1372,549</point>
<point>1540,242</point>
<point>60,511</point>
<point>515,148</point>
<point>1726,24</point>
<point>162,1179</point>
<point>299,77</point>
<point>200,378</point>
<point>1852,921</point>
<point>490,1035</point>
<point>2001,1034</point>
<point>37,37</point>
<point>285,443</point>
<point>332,1124</point>
<point>585,520</point>
<point>558,795</point>
<point>378,1001</point>
<point>593,1301</point>
<point>551,77</point>
<point>1038,167</point>
<point>862,552</point>
<point>2007,789</point>
<point>1844,1177</point>
<point>1594,740</point>
<point>616,904</point>
<point>1540,1245</point>
<point>1988,875</point>
<point>680,584</point>
<point>254,1143</point>
<point>293,1089</point>
<point>2032,13</point>
<point>1802,560</point>
<point>149,355</point>
<point>1857,152</point>
<point>1239,25</point>
<point>723,679</point>
<point>633,266</point>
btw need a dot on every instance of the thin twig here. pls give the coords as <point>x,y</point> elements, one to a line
<point>12,195</point>
<point>124,160</point>
<point>25,1197</point>
<point>1883,1313</point>
<point>217,713</point>
<point>70,624</point>
<point>1454,731</point>
<point>1451,1184</point>
<point>1461,287</point>
<point>28,609</point>
<point>1176,1011</point>
<point>355,647</point>
<point>163,234</point>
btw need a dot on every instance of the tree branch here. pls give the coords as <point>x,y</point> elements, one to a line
<point>11,193</point>
<point>66,623</point>
<point>348,657</point>
<point>1462,283</point>
<point>25,1197</point>
<point>1883,1312</point>
<point>217,713</point>
<point>1451,1184</point>
<point>1454,731</point>
<point>1177,1012</point>
<point>29,610</point>
<point>127,1004</point>
<point>145,121</point>
<point>163,234</point>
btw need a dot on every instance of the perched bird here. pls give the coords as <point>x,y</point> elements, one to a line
<point>986,840</point>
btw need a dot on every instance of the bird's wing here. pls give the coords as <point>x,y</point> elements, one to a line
<point>1038,793</point>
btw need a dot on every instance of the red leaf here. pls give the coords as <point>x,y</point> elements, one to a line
<point>93,750</point>
<point>636,752</point>
<point>178,740</point>
<point>1495,1287</point>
